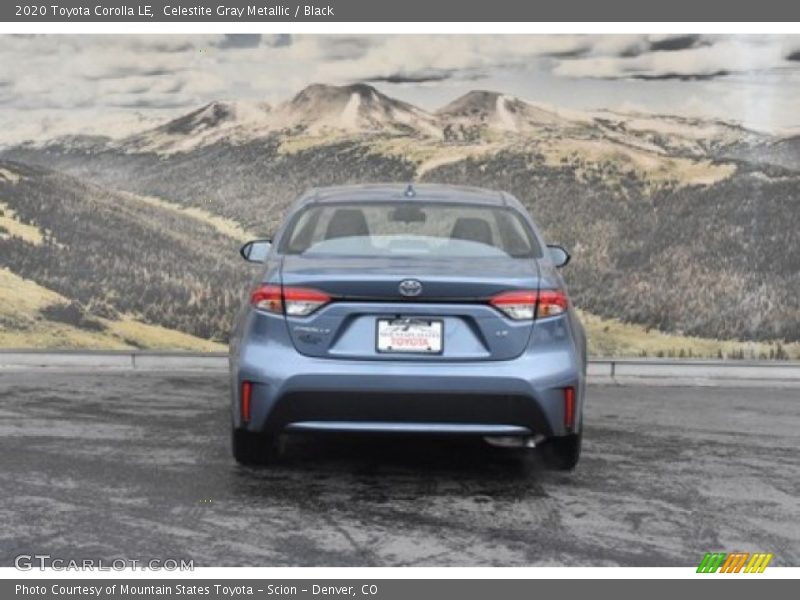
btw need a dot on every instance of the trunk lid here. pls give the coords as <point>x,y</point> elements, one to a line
<point>454,293</point>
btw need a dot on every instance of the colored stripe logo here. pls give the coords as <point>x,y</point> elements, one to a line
<point>735,562</point>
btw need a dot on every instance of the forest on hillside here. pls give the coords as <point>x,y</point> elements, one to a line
<point>111,255</point>
<point>718,261</point>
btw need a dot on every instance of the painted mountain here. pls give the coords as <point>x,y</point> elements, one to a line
<point>683,230</point>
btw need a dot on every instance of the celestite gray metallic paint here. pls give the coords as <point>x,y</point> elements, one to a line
<point>486,354</point>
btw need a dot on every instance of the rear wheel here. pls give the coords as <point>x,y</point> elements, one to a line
<point>253,448</point>
<point>562,453</point>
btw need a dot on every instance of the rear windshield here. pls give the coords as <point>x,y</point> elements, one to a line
<point>409,229</point>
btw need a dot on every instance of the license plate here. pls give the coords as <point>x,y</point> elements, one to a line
<point>410,335</point>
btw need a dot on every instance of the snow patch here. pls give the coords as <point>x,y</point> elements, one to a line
<point>349,117</point>
<point>504,116</point>
<point>9,176</point>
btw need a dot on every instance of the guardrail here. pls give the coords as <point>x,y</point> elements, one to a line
<point>600,370</point>
<point>144,360</point>
<point>693,371</point>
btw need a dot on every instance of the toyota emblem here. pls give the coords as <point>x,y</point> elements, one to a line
<point>410,287</point>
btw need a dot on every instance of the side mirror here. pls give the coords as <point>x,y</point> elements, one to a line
<point>256,251</point>
<point>558,254</point>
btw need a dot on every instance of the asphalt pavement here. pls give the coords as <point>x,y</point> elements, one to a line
<point>137,465</point>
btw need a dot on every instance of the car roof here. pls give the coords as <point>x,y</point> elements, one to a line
<point>415,191</point>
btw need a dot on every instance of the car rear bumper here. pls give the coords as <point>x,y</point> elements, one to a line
<point>523,396</point>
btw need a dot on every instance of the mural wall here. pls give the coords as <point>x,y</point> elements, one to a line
<point>132,168</point>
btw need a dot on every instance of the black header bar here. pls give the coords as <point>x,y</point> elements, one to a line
<point>398,11</point>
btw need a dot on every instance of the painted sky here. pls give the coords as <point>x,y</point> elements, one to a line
<point>53,84</point>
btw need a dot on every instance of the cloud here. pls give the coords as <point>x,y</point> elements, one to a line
<point>398,58</point>
<point>682,76</point>
<point>240,40</point>
<point>425,76</point>
<point>118,71</point>
<point>345,47</point>
<point>64,73</point>
<point>276,40</point>
<point>168,100</point>
<point>682,58</point>
<point>675,42</point>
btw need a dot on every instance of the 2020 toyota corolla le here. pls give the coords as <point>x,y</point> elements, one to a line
<point>399,309</point>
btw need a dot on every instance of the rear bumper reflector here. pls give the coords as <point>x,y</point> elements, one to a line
<point>247,390</point>
<point>569,407</point>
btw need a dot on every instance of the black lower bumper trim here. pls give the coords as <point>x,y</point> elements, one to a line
<point>408,408</point>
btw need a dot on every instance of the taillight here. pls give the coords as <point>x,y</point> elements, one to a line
<point>294,301</point>
<point>523,305</point>
<point>569,407</point>
<point>267,297</point>
<point>519,305</point>
<point>247,389</point>
<point>300,302</point>
<point>551,303</point>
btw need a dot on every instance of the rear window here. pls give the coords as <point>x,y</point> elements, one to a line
<point>409,229</point>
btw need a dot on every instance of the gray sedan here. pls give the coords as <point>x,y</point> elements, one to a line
<point>424,309</point>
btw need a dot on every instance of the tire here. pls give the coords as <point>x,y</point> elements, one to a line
<point>563,453</point>
<point>253,449</point>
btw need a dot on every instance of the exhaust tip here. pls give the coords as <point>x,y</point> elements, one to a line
<point>513,441</point>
